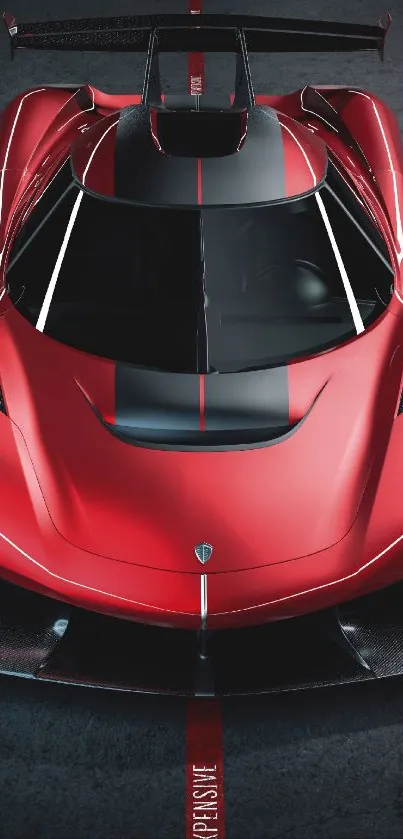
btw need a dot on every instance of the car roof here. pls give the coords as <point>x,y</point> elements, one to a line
<point>183,158</point>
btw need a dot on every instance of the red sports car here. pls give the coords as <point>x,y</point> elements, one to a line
<point>201,359</point>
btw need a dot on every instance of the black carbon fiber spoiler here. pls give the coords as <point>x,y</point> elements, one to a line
<point>196,33</point>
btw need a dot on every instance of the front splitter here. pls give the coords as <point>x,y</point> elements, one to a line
<point>45,639</point>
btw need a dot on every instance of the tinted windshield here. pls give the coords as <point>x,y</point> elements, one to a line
<point>203,289</point>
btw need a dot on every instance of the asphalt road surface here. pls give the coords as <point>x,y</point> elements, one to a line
<point>83,764</point>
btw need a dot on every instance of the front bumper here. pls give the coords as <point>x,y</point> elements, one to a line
<point>45,639</point>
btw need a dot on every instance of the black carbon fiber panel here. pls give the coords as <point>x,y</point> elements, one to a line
<point>31,626</point>
<point>262,34</point>
<point>120,41</point>
<point>253,22</point>
<point>122,655</point>
<point>374,628</point>
<point>284,656</point>
<point>43,638</point>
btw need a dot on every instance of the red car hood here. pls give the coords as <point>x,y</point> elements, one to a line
<point>151,507</point>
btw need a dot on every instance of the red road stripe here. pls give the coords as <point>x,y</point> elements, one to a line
<point>202,410</point>
<point>196,73</point>
<point>205,816</point>
<point>196,59</point>
<point>199,181</point>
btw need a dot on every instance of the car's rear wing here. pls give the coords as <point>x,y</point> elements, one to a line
<point>196,33</point>
<point>191,33</point>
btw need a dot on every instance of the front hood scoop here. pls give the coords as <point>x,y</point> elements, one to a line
<point>207,412</point>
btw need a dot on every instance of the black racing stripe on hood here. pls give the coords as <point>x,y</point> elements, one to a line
<point>255,399</point>
<point>148,399</point>
<point>151,401</point>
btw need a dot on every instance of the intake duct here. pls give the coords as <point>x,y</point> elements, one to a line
<point>199,133</point>
<point>186,411</point>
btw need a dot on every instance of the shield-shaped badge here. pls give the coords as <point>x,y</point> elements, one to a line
<point>203,552</point>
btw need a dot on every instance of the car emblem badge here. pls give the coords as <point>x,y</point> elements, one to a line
<point>203,552</point>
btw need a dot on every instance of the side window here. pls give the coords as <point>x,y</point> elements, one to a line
<point>54,191</point>
<point>29,272</point>
<point>346,193</point>
<point>363,250</point>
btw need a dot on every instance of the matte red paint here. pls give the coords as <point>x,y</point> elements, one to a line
<point>111,527</point>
